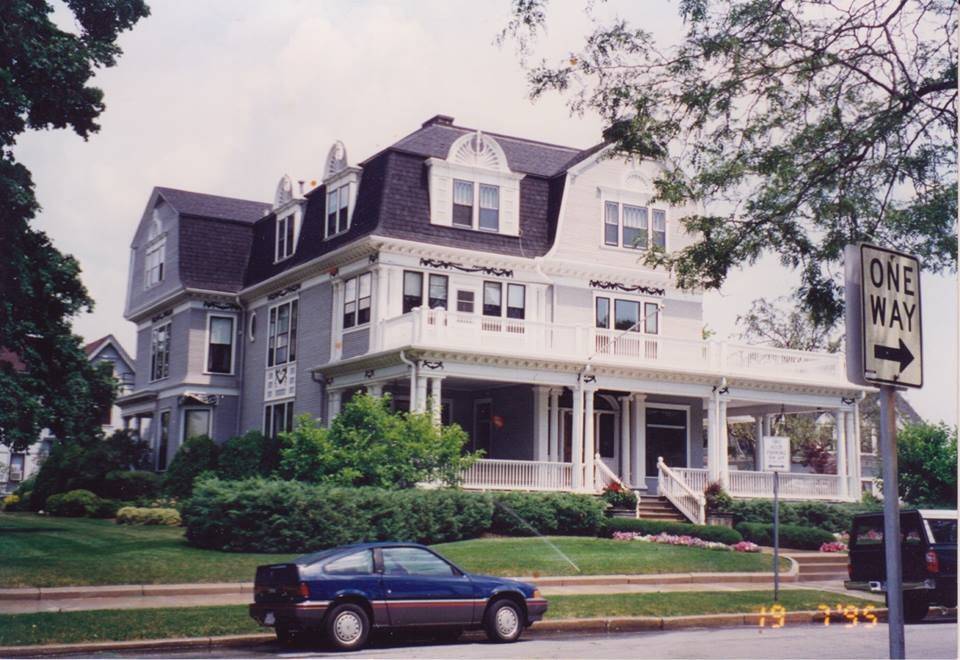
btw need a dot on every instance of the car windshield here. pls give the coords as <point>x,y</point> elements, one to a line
<point>943,530</point>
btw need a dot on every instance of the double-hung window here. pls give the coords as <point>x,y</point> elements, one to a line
<point>437,291</point>
<point>629,315</point>
<point>515,301</point>
<point>634,226</point>
<point>476,206</point>
<point>356,301</point>
<point>153,266</point>
<point>160,352</point>
<point>285,237</point>
<point>278,418</point>
<point>220,344</point>
<point>338,210</point>
<point>282,341</point>
<point>413,293</point>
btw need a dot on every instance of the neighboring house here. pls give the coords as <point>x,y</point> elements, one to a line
<point>493,280</point>
<point>17,466</point>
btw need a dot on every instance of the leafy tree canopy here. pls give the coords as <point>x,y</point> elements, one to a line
<point>811,124</point>
<point>777,323</point>
<point>44,83</point>
<point>927,465</point>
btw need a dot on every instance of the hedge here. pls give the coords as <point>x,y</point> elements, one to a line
<point>705,532</point>
<point>791,536</point>
<point>131,484</point>
<point>273,515</point>
<point>132,515</point>
<point>80,503</point>
<point>833,517</point>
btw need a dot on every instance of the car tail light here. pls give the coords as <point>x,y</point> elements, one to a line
<point>933,562</point>
<point>304,591</point>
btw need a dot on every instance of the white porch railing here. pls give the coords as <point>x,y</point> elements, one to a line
<point>501,474</point>
<point>605,477</point>
<point>438,328</point>
<point>690,503</point>
<point>793,485</point>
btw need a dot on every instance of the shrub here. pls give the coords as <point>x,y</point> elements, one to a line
<point>249,455</point>
<point>791,536</point>
<point>833,517</point>
<point>74,504</point>
<point>617,495</point>
<point>131,484</point>
<point>131,515</point>
<point>9,502</point>
<point>273,515</point>
<point>705,532</point>
<point>528,514</point>
<point>197,455</point>
<point>717,499</point>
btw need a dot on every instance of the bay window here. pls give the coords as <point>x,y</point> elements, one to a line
<point>356,300</point>
<point>412,290</point>
<point>220,344</point>
<point>492,298</point>
<point>627,315</point>
<point>437,291</point>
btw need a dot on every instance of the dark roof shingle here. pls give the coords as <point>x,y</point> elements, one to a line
<point>216,207</point>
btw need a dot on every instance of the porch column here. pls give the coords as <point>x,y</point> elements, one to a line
<point>713,439</point>
<point>556,454</point>
<point>639,453</point>
<point>724,443</point>
<point>436,400</point>
<point>541,422</point>
<point>853,452</point>
<point>758,442</point>
<point>589,439</point>
<point>625,472</point>
<point>421,398</point>
<point>576,440</point>
<point>375,389</point>
<point>840,435</point>
<point>334,398</point>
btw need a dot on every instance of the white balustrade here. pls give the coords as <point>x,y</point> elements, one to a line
<point>793,485</point>
<point>689,502</point>
<point>501,474</point>
<point>695,478</point>
<point>439,328</point>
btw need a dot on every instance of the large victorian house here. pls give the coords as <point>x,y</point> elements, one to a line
<point>495,281</point>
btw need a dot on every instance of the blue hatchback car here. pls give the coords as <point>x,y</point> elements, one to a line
<point>346,592</point>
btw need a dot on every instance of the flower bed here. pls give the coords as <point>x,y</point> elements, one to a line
<point>689,541</point>
<point>836,546</point>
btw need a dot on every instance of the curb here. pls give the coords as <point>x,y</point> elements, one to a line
<point>557,626</point>
<point>214,588</point>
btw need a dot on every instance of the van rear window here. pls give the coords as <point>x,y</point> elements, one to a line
<point>944,531</point>
<point>870,532</point>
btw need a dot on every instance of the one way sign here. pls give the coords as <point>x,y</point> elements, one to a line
<point>884,338</point>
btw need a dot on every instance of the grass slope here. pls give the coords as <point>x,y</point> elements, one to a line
<point>120,625</point>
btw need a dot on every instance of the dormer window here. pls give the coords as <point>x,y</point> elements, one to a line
<point>342,182</point>
<point>155,254</point>
<point>286,227</point>
<point>634,226</point>
<point>474,187</point>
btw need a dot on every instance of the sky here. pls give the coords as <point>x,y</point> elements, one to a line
<point>226,96</point>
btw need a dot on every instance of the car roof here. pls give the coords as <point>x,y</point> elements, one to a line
<point>939,514</point>
<point>329,552</point>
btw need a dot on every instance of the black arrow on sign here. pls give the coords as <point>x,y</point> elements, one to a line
<point>901,354</point>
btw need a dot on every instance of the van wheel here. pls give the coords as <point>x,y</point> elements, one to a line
<point>915,605</point>
<point>347,627</point>
<point>503,621</point>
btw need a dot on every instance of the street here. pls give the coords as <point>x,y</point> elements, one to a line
<point>934,639</point>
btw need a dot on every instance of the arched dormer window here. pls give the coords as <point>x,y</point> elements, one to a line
<point>156,248</point>
<point>342,182</point>
<point>288,211</point>
<point>629,218</point>
<point>474,187</point>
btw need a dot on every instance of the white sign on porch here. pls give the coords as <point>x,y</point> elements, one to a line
<point>776,453</point>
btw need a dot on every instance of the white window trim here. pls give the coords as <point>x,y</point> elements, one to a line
<point>475,207</point>
<point>621,197</point>
<point>183,424</point>
<point>252,326</point>
<point>266,356</point>
<point>158,244</point>
<point>282,220</point>
<point>356,311</point>
<point>612,296</point>
<point>477,298</point>
<point>670,406</point>
<point>349,177</point>
<point>233,345</point>
<point>269,404</point>
<point>442,173</point>
<point>153,330</point>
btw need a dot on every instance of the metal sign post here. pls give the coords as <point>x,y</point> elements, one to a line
<point>885,348</point>
<point>776,458</point>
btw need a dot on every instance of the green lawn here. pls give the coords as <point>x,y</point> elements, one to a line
<point>51,552</point>
<point>571,555</point>
<point>118,625</point>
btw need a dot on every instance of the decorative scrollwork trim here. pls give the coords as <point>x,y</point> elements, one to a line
<point>431,365</point>
<point>284,291</point>
<point>161,316</point>
<point>452,265</point>
<point>231,307</point>
<point>619,286</point>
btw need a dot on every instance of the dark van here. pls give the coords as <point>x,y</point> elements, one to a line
<point>928,554</point>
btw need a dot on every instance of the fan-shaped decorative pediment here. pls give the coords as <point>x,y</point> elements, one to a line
<point>284,191</point>
<point>478,150</point>
<point>336,160</point>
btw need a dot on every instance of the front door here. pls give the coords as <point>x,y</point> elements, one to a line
<point>666,437</point>
<point>607,435</point>
<point>422,589</point>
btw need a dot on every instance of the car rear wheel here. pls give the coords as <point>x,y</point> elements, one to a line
<point>503,621</point>
<point>285,635</point>
<point>347,627</point>
<point>916,604</point>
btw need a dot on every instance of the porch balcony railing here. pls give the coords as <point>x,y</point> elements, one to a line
<point>748,483</point>
<point>501,474</point>
<point>689,501</point>
<point>438,328</point>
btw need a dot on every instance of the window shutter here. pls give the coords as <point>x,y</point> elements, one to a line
<point>441,200</point>
<point>510,209</point>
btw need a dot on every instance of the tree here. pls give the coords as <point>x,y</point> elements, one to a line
<point>778,324</point>
<point>927,465</point>
<point>368,445</point>
<point>798,126</point>
<point>44,76</point>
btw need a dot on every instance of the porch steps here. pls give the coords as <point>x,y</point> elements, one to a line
<point>820,566</point>
<point>659,508</point>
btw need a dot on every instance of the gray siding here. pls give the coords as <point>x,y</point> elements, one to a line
<point>225,417</point>
<point>313,348</point>
<point>171,265</point>
<point>254,363</point>
<point>355,343</point>
<point>197,351</point>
